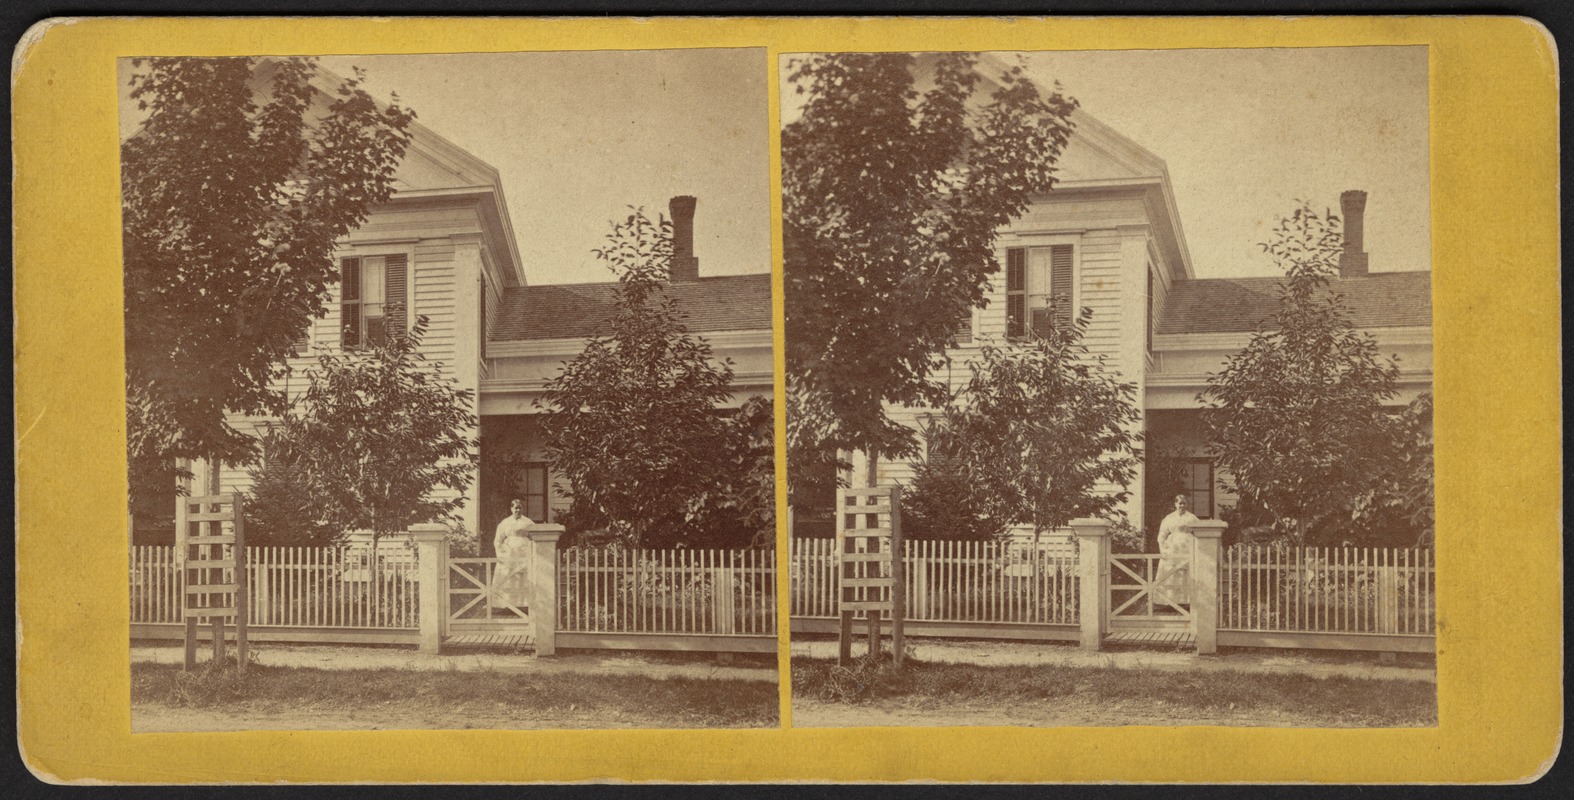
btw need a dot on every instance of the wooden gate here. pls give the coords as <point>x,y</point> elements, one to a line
<point>487,605</point>
<point>1149,599</point>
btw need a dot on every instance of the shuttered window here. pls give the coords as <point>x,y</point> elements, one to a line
<point>372,299</point>
<point>1016,293</point>
<point>1149,328</point>
<point>1060,283</point>
<point>1034,276</point>
<point>483,323</point>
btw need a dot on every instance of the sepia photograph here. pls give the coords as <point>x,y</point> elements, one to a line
<point>449,391</point>
<point>1109,387</point>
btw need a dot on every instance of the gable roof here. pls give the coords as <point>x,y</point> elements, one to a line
<point>577,311</point>
<point>1233,305</point>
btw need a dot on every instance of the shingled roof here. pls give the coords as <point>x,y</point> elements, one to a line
<point>1230,305</point>
<point>577,311</point>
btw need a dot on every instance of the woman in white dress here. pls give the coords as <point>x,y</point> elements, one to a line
<point>1175,547</point>
<point>513,549</point>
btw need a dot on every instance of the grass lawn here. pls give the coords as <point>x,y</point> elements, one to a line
<point>921,693</point>
<point>165,698</point>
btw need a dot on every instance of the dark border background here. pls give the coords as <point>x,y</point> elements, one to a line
<point>16,16</point>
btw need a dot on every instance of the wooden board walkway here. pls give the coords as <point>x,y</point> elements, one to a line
<point>1169,638</point>
<point>490,640</point>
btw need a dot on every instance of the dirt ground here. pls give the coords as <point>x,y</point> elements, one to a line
<point>1069,712</point>
<point>416,712</point>
<point>406,715</point>
<point>1230,664</point>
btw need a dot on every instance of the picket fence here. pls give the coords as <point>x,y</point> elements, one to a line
<point>954,588</point>
<point>295,593</point>
<point>1384,593</point>
<point>1381,599</point>
<point>664,592</point>
<point>721,600</point>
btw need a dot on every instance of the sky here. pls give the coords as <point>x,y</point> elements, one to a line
<point>579,137</point>
<point>1247,133</point>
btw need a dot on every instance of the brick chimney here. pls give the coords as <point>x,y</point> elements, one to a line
<point>685,267</point>
<point>1352,262</point>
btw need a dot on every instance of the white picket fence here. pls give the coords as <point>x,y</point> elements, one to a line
<point>954,588</point>
<point>303,588</point>
<point>722,600</point>
<point>1268,596</point>
<point>713,592</point>
<point>1346,590</point>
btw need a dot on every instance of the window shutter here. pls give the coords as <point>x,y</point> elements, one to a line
<point>1060,283</point>
<point>350,302</point>
<point>1016,292</point>
<point>394,294</point>
<point>1149,328</point>
<point>483,318</point>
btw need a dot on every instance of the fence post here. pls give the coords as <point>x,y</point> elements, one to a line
<point>1388,599</point>
<point>431,543</point>
<point>721,594</point>
<point>1093,570</point>
<point>543,585</point>
<point>1205,582</point>
<point>919,602</point>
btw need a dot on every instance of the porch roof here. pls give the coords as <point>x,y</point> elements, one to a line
<point>1231,305</point>
<point>577,311</point>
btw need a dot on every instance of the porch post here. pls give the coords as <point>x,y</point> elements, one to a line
<point>431,543</point>
<point>543,585</point>
<point>1205,583</point>
<point>1093,569</point>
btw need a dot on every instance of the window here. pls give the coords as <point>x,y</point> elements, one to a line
<point>535,495</point>
<point>964,331</point>
<point>1034,275</point>
<point>483,323</point>
<point>1197,483</point>
<point>1149,328</point>
<point>372,298</point>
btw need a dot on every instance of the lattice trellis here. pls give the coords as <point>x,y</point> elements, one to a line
<point>211,538</point>
<point>869,571</point>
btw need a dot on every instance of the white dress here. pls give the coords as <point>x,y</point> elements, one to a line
<point>509,586</point>
<point>1175,545</point>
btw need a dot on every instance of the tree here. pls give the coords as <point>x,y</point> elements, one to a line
<point>1399,507</point>
<point>282,507</point>
<point>383,437</point>
<point>741,506</point>
<point>633,422</point>
<point>891,200</point>
<point>1295,420</point>
<point>1038,436</point>
<point>231,205</point>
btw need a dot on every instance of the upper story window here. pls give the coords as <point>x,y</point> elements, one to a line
<point>372,299</point>
<point>1033,276</point>
<point>1148,329</point>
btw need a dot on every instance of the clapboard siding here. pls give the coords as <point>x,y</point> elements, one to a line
<point>431,294</point>
<point>1095,227</point>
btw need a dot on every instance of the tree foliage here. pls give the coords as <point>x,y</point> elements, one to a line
<point>1038,437</point>
<point>383,437</point>
<point>1398,509</point>
<point>281,506</point>
<point>891,199</point>
<point>1295,420</point>
<point>232,198</point>
<point>633,422</point>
